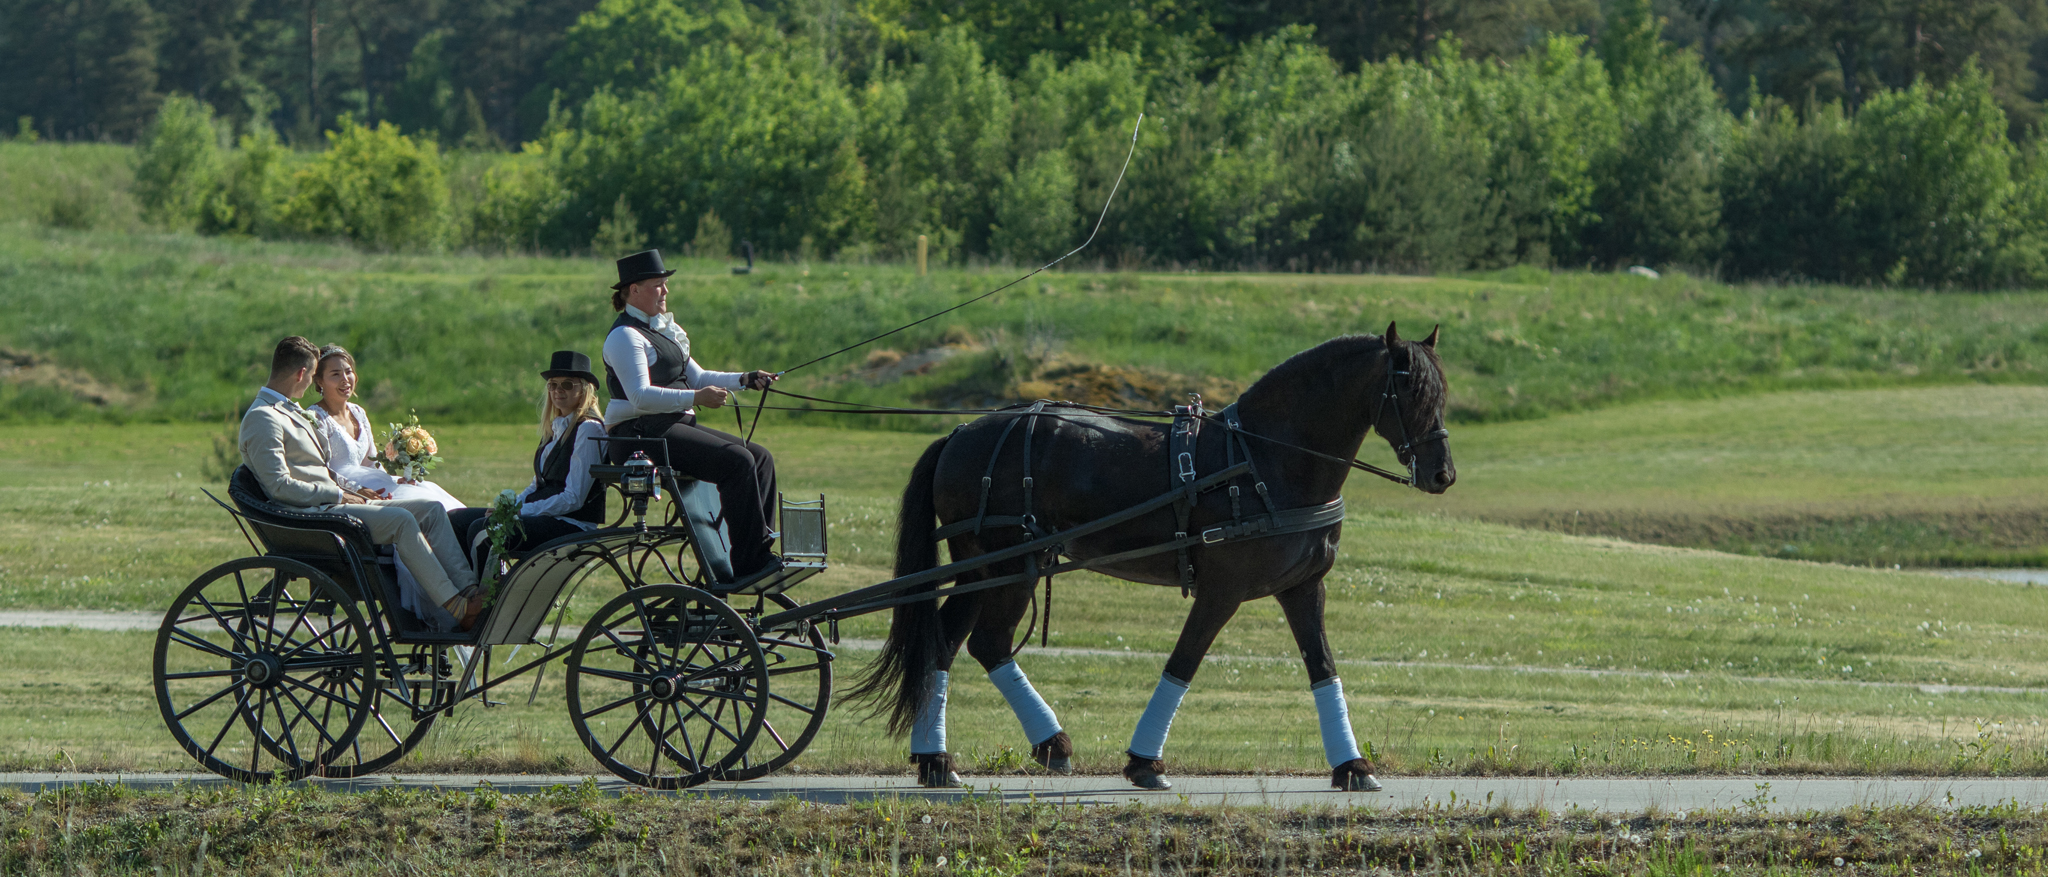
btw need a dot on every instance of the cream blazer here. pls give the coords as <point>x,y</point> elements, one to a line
<point>288,455</point>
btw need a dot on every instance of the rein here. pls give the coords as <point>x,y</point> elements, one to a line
<point>1355,463</point>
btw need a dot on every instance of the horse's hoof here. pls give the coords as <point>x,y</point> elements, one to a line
<point>1147,773</point>
<point>1354,776</point>
<point>935,771</point>
<point>1055,754</point>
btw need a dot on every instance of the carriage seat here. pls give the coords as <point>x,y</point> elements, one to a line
<point>319,539</point>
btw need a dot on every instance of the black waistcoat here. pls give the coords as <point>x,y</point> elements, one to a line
<point>551,477</point>
<point>667,370</point>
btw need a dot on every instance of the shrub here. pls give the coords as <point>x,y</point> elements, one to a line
<point>374,186</point>
<point>254,187</point>
<point>178,164</point>
<point>519,198</point>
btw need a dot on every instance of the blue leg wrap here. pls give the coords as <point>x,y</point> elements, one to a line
<point>1338,744</point>
<point>1032,711</point>
<point>928,733</point>
<point>1149,740</point>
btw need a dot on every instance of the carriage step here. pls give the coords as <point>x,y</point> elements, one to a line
<point>779,580</point>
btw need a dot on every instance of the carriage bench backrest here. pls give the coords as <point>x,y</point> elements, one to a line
<point>337,545</point>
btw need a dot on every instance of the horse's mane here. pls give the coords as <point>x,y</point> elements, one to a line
<point>1426,374</point>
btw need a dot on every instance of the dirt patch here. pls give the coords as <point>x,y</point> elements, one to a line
<point>25,369</point>
<point>2007,536</point>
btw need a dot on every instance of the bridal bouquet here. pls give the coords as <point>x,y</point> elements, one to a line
<point>411,451</point>
<point>501,525</point>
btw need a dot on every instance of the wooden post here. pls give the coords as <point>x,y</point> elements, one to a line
<point>923,245</point>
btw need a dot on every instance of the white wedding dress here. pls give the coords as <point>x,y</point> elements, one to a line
<point>349,456</point>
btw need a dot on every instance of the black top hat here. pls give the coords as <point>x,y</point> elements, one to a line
<point>640,266</point>
<point>569,364</point>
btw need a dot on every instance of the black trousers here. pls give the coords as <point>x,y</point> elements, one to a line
<point>743,471</point>
<point>540,530</point>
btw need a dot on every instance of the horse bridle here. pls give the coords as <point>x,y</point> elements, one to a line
<point>1406,449</point>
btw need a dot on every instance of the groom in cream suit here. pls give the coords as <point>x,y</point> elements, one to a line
<point>288,455</point>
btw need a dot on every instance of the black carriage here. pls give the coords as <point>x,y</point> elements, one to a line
<point>304,661</point>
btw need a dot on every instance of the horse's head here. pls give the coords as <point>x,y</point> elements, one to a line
<point>1410,411</point>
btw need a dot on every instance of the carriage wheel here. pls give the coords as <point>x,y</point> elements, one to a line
<point>390,731</point>
<point>667,686</point>
<point>800,668</point>
<point>261,668</point>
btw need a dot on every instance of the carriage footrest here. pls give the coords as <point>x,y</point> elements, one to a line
<point>792,571</point>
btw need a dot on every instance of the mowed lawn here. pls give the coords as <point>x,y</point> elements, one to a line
<point>1467,646</point>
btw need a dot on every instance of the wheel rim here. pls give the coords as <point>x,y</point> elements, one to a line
<point>667,686</point>
<point>260,670</point>
<point>800,691</point>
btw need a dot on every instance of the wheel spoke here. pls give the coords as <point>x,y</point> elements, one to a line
<point>198,644</point>
<point>202,704</point>
<point>619,675</point>
<point>241,638</point>
<point>809,711</point>
<point>616,704</point>
<point>241,705</point>
<point>201,674</point>
<point>658,737</point>
<point>285,726</point>
<point>346,704</point>
<point>630,726</point>
<point>319,725</point>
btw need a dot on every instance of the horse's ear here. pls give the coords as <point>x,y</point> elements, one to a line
<point>1430,342</point>
<point>1393,337</point>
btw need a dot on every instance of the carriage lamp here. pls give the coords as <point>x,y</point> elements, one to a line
<point>638,484</point>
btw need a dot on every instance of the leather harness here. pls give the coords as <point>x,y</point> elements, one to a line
<point>1183,435</point>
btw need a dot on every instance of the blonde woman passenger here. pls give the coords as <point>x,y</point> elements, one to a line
<point>352,444</point>
<point>562,499</point>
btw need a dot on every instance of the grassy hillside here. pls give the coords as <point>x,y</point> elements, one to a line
<point>1944,475</point>
<point>1465,646</point>
<point>113,324</point>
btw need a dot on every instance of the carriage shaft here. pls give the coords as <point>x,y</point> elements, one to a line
<point>877,597</point>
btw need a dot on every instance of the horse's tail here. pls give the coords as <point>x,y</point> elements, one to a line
<point>899,678</point>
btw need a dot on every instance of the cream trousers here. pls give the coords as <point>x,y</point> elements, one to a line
<point>419,530</point>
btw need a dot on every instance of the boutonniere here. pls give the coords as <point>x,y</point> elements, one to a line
<point>312,420</point>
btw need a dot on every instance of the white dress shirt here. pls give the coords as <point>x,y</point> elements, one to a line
<point>629,354</point>
<point>582,456</point>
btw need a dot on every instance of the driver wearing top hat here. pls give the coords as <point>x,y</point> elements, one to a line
<point>655,388</point>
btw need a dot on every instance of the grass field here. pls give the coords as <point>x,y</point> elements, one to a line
<point>569,830</point>
<point>176,327</point>
<point>1467,646</point>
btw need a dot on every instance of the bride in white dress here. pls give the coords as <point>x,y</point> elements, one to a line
<point>351,443</point>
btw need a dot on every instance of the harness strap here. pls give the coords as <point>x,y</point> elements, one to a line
<point>988,475</point>
<point>1184,440</point>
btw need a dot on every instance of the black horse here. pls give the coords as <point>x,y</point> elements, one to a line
<point>1086,465</point>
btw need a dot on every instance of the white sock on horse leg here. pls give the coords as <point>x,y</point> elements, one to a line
<point>928,733</point>
<point>1149,740</point>
<point>1032,711</point>
<point>1338,744</point>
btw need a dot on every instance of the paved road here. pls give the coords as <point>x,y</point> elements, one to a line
<point>1790,795</point>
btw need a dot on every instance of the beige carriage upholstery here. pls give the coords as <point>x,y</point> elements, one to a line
<point>531,588</point>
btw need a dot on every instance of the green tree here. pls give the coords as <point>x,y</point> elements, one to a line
<point>936,138</point>
<point>1782,190</point>
<point>374,186</point>
<point>1930,186</point>
<point>767,139</point>
<point>85,69</point>
<point>178,167</point>
<point>1035,214</point>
